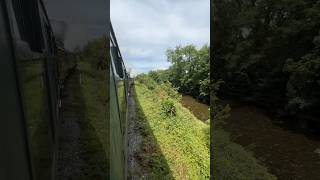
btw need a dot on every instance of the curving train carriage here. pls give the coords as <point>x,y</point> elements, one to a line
<point>119,91</point>
<point>34,67</point>
<point>32,76</point>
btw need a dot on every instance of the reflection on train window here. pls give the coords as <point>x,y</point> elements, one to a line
<point>37,115</point>
<point>29,42</point>
<point>92,72</point>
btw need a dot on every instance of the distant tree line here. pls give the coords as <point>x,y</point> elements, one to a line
<point>189,71</point>
<point>268,52</point>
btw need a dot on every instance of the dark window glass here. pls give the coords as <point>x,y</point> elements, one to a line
<point>117,62</point>
<point>33,78</point>
<point>29,24</point>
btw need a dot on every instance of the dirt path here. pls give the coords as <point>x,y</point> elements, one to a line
<point>134,141</point>
<point>70,164</point>
<point>286,153</point>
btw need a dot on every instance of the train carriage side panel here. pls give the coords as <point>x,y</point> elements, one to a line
<point>14,156</point>
<point>36,82</point>
<point>116,171</point>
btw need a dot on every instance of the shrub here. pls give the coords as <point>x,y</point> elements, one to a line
<point>172,92</point>
<point>146,80</point>
<point>168,108</point>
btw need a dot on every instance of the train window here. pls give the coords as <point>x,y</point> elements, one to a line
<point>29,24</point>
<point>117,62</point>
<point>119,67</point>
<point>29,35</point>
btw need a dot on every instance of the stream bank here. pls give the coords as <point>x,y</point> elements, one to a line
<point>286,152</point>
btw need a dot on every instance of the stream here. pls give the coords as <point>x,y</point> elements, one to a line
<point>287,152</point>
<point>200,110</point>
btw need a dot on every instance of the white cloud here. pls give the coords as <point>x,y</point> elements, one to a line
<point>146,28</point>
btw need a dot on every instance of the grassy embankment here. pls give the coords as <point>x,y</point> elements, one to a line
<point>174,146</point>
<point>94,137</point>
<point>178,146</point>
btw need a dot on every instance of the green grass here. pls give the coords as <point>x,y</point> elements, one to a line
<point>174,147</point>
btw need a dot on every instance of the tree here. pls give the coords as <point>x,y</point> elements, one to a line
<point>190,71</point>
<point>265,49</point>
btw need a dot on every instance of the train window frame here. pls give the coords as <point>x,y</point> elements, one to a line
<point>117,62</point>
<point>28,21</point>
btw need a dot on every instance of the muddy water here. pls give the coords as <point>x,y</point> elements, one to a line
<point>286,153</point>
<point>200,110</point>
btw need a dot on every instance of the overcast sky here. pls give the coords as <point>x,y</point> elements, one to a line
<point>146,28</point>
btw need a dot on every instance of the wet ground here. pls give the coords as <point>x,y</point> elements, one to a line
<point>286,152</point>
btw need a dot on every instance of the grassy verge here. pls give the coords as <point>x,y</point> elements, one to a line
<point>174,147</point>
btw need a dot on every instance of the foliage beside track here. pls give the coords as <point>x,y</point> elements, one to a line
<point>175,145</point>
<point>189,72</point>
<point>230,160</point>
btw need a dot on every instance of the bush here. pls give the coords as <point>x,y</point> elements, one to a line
<point>147,81</point>
<point>171,91</point>
<point>168,108</point>
<point>157,79</point>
